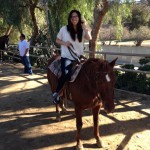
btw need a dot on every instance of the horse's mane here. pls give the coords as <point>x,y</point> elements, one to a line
<point>92,65</point>
<point>3,40</point>
<point>3,37</point>
<point>90,69</point>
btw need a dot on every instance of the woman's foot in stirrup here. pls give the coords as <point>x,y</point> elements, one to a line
<point>56,98</point>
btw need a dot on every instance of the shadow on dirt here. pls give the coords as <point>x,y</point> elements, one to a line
<point>27,119</point>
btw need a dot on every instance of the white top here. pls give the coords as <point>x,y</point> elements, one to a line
<point>64,35</point>
<point>22,46</point>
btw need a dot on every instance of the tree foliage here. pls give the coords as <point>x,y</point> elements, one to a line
<point>20,14</point>
<point>23,14</point>
<point>59,10</point>
<point>11,12</point>
<point>140,16</point>
<point>118,12</point>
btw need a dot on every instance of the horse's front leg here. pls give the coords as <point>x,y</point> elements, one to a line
<point>78,113</point>
<point>95,112</point>
<point>62,105</point>
<point>58,116</point>
<point>58,106</point>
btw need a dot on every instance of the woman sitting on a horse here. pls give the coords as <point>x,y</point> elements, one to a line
<point>70,36</point>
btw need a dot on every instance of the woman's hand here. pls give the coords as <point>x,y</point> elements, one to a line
<point>87,34</point>
<point>84,26</point>
<point>67,44</point>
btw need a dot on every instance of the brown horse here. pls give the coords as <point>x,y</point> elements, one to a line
<point>93,88</point>
<point>3,45</point>
<point>4,42</point>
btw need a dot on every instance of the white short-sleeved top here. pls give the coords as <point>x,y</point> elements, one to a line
<point>64,35</point>
<point>23,45</point>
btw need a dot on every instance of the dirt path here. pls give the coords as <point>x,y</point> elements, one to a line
<point>27,117</point>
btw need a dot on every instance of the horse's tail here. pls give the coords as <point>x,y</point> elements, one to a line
<point>52,79</point>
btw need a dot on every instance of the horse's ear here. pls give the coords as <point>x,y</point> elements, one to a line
<point>112,64</point>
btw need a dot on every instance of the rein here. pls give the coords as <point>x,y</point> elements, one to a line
<point>98,75</point>
<point>73,53</point>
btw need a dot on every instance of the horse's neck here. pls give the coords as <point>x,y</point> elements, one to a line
<point>88,78</point>
<point>2,43</point>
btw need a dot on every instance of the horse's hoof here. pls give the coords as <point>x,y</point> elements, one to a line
<point>79,147</point>
<point>99,143</point>
<point>58,119</point>
<point>64,110</point>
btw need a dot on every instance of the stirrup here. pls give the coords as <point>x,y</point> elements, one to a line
<point>56,100</point>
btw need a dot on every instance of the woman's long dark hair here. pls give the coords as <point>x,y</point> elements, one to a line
<point>70,28</point>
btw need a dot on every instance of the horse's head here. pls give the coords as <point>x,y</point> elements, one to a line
<point>4,42</point>
<point>6,39</point>
<point>105,81</point>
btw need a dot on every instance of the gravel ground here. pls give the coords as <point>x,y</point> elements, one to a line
<point>27,117</point>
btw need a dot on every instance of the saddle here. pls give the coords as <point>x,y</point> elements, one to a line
<point>55,67</point>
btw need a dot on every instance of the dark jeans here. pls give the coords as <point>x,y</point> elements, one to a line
<point>27,65</point>
<point>66,65</point>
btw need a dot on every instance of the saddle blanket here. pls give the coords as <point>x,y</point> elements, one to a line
<point>55,67</point>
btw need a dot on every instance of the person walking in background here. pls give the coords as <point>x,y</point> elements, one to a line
<point>71,35</point>
<point>23,47</point>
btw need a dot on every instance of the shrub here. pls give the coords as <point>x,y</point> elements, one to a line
<point>140,34</point>
<point>132,81</point>
<point>144,61</point>
<point>128,66</point>
<point>145,68</point>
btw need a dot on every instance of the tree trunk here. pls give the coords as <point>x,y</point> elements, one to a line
<point>35,27</point>
<point>9,29</point>
<point>139,42</point>
<point>99,12</point>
